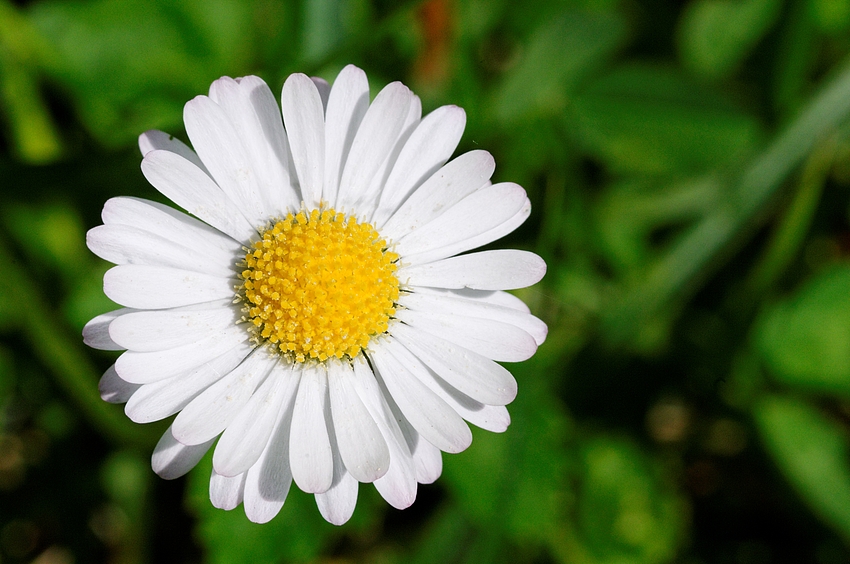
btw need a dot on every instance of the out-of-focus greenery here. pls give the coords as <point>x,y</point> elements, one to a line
<point>689,166</point>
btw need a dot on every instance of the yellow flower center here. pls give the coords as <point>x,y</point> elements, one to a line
<point>319,284</point>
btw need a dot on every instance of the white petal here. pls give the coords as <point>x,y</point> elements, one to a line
<point>304,118</point>
<point>96,332</point>
<point>493,418</point>
<point>497,298</point>
<point>443,189</point>
<point>172,459</point>
<point>122,244</point>
<point>324,90</point>
<point>170,224</point>
<point>476,376</point>
<point>374,141</point>
<point>157,287</point>
<point>347,104</point>
<point>489,417</point>
<point>423,299</point>
<point>429,147</point>
<point>470,223</point>
<point>425,411</point>
<point>368,202</point>
<point>429,462</point>
<point>268,481</point>
<point>505,269</point>
<point>190,188</point>
<point>288,198</point>
<point>310,456</point>
<point>398,485</point>
<point>221,148</point>
<point>159,400</point>
<point>226,493</point>
<point>248,434</point>
<point>154,139</point>
<point>113,389</point>
<point>337,504</point>
<point>427,459</point>
<point>147,367</point>
<point>167,329</point>
<point>482,239</point>
<point>494,339</point>
<point>254,114</point>
<point>361,445</point>
<point>213,409</point>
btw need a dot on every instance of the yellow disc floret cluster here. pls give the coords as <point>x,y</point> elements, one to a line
<point>319,284</point>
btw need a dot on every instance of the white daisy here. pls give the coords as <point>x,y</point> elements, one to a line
<point>318,319</point>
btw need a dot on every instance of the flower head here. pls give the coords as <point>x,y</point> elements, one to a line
<point>316,319</point>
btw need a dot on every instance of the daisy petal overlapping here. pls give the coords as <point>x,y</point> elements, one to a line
<point>217,333</point>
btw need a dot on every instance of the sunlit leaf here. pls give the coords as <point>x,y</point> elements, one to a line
<point>805,340</point>
<point>33,133</point>
<point>52,234</point>
<point>812,453</point>
<point>31,128</point>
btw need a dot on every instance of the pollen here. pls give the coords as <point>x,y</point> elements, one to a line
<point>319,284</point>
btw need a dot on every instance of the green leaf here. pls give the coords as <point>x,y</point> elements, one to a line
<point>130,65</point>
<point>516,481</point>
<point>812,453</point>
<point>126,478</point>
<point>297,534</point>
<point>445,536</point>
<point>328,23</point>
<point>683,268</point>
<point>805,341</point>
<point>560,53</point>
<point>51,234</point>
<point>629,214</point>
<point>476,17</point>
<point>649,119</point>
<point>31,128</point>
<point>716,35</point>
<point>832,16</point>
<point>62,353</point>
<point>626,510</point>
<point>86,299</point>
<point>796,43</point>
<point>8,378</point>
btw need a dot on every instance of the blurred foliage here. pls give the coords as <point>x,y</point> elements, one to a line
<point>689,166</point>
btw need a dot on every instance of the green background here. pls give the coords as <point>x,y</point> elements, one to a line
<point>688,163</point>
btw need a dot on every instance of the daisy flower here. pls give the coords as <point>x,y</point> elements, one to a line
<point>319,319</point>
